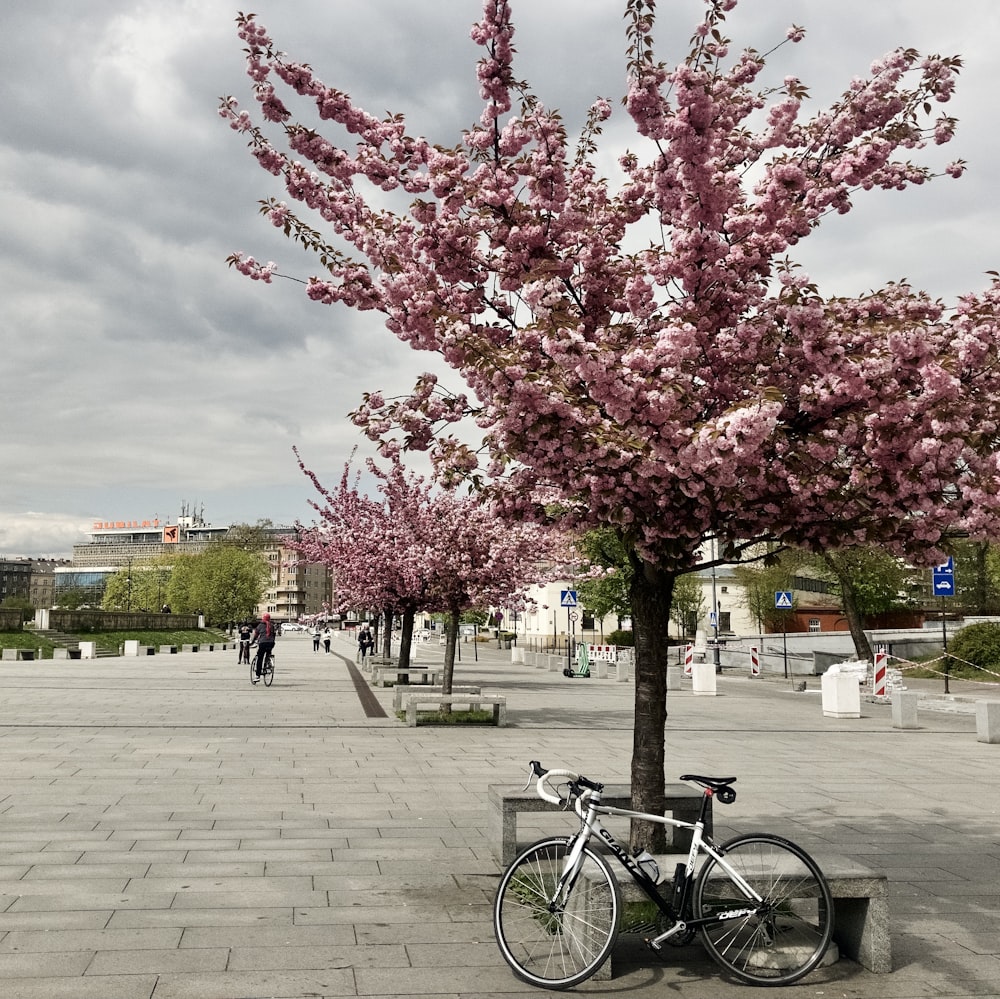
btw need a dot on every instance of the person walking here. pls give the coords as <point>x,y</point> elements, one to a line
<point>327,637</point>
<point>316,634</point>
<point>246,634</point>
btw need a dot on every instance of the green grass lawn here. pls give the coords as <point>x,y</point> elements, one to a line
<point>112,641</point>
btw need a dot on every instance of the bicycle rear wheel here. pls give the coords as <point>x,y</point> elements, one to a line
<point>780,940</point>
<point>556,946</point>
<point>267,673</point>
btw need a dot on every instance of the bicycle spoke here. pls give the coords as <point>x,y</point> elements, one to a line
<point>784,936</point>
<point>553,942</point>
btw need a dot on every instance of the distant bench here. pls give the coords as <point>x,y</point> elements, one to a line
<point>860,904</point>
<point>507,801</point>
<point>434,702</point>
<point>381,673</point>
<point>15,655</point>
<point>403,690</point>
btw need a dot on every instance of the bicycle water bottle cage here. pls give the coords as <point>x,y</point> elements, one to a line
<point>718,786</point>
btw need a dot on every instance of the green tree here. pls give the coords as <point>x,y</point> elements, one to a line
<point>23,604</point>
<point>760,581</point>
<point>687,603</point>
<point>977,577</point>
<point>607,594</point>
<point>224,582</point>
<point>141,586</point>
<point>868,581</point>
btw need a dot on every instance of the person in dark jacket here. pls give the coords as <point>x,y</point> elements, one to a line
<point>263,638</point>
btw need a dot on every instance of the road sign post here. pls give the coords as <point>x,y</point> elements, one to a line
<point>567,599</point>
<point>943,581</point>
<point>783,602</point>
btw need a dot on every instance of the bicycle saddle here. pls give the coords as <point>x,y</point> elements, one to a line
<point>717,785</point>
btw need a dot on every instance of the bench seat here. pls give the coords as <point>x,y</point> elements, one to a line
<point>507,801</point>
<point>404,690</point>
<point>434,702</point>
<point>860,901</point>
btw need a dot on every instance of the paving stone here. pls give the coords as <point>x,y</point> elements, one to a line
<point>323,853</point>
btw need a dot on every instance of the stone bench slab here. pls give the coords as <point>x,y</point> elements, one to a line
<point>404,690</point>
<point>507,801</point>
<point>434,702</point>
<point>860,901</point>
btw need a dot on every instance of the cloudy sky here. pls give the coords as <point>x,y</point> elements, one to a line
<point>139,373</point>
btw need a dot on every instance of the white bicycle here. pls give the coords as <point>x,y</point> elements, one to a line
<point>760,902</point>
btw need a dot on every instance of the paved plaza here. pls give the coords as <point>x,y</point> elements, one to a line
<point>168,831</point>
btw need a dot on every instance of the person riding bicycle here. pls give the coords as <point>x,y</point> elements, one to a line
<point>263,638</point>
<point>246,634</point>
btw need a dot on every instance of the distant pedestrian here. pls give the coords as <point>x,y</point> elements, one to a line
<point>365,643</point>
<point>327,637</point>
<point>317,634</point>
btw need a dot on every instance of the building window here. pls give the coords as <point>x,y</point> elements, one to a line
<point>814,624</point>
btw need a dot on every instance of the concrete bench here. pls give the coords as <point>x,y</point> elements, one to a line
<point>58,653</point>
<point>860,902</point>
<point>434,702</point>
<point>168,650</point>
<point>380,674</point>
<point>190,648</point>
<point>133,648</point>
<point>507,801</point>
<point>403,690</point>
<point>18,655</point>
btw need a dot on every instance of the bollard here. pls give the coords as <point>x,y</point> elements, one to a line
<point>988,721</point>
<point>754,661</point>
<point>904,709</point>
<point>703,677</point>
<point>688,659</point>
<point>879,675</point>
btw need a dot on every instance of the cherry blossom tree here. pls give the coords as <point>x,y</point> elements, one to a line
<point>420,547</point>
<point>643,348</point>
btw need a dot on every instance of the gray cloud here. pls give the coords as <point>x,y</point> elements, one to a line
<point>139,371</point>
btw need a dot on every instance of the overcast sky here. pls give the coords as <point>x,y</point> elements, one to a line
<point>139,372</point>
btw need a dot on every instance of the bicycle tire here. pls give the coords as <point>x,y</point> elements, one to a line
<point>267,673</point>
<point>788,938</point>
<point>556,949</point>
<point>253,666</point>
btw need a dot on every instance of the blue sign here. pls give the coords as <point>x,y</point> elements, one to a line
<point>568,598</point>
<point>943,579</point>
<point>783,599</point>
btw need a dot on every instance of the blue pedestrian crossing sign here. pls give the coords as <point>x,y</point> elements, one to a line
<point>782,599</point>
<point>568,598</point>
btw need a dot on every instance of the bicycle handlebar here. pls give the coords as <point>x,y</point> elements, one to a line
<point>578,784</point>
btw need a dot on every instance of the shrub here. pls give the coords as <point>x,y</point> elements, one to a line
<point>625,638</point>
<point>978,644</point>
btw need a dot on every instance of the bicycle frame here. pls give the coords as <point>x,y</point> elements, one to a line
<point>675,907</point>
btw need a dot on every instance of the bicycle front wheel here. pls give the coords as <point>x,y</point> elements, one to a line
<point>267,674</point>
<point>784,937</point>
<point>549,942</point>
<point>253,666</point>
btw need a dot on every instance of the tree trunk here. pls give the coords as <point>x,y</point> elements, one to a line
<point>406,638</point>
<point>650,594</point>
<point>452,625</point>
<point>862,648</point>
<point>387,637</point>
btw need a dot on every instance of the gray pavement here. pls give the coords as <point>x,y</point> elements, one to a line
<point>168,831</point>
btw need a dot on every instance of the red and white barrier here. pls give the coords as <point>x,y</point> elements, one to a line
<point>689,660</point>
<point>754,662</point>
<point>880,675</point>
<point>607,653</point>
